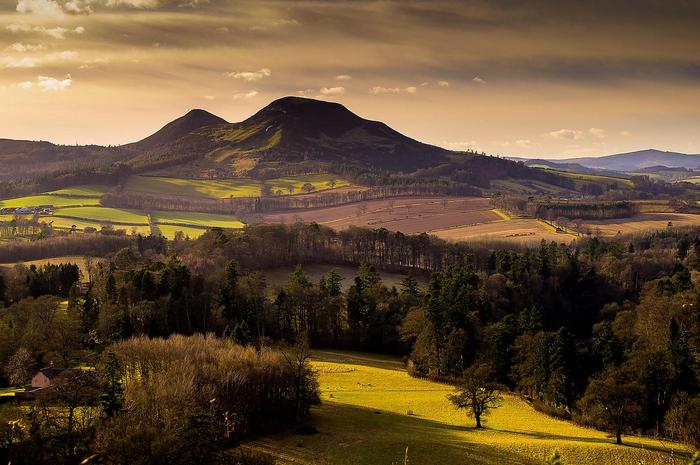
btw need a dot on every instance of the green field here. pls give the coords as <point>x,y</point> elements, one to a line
<point>169,231</point>
<point>96,190</point>
<point>226,188</point>
<point>372,411</point>
<point>49,199</point>
<point>196,219</point>
<point>104,214</point>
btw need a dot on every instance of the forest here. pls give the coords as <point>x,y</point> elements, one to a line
<point>603,332</point>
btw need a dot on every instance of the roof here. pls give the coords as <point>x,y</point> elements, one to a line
<point>51,372</point>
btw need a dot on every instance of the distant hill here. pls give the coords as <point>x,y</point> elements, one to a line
<point>634,161</point>
<point>288,130</point>
<point>177,129</point>
<point>291,135</point>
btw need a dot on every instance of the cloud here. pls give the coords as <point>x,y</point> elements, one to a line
<point>245,95</point>
<point>524,143</point>
<point>625,133</point>
<point>275,23</point>
<point>250,75</point>
<point>21,62</point>
<point>343,77</point>
<point>478,80</point>
<point>328,91</point>
<point>46,83</point>
<point>566,134</point>
<point>379,90</point>
<point>89,64</point>
<point>20,47</point>
<point>78,6</point>
<point>40,7</point>
<point>443,84</point>
<point>57,32</point>
<point>32,62</point>
<point>597,132</point>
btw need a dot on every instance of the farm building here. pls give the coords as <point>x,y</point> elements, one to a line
<point>43,379</point>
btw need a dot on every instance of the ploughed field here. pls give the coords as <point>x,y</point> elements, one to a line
<point>374,413</point>
<point>409,215</point>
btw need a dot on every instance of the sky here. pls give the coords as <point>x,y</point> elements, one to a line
<point>540,78</point>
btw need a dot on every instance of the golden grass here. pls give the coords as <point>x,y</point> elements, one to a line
<point>364,420</point>
<point>225,188</point>
<point>49,199</point>
<point>169,231</point>
<point>206,220</point>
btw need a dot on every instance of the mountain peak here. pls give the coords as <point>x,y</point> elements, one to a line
<point>180,127</point>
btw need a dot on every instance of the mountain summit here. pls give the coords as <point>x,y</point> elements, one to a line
<point>178,128</point>
<point>288,130</point>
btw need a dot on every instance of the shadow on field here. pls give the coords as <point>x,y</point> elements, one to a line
<point>383,362</point>
<point>350,435</point>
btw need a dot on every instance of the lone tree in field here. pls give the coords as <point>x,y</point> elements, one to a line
<point>332,183</point>
<point>612,401</point>
<point>476,394</point>
<point>307,187</point>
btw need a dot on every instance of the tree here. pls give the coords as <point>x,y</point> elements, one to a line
<point>612,401</point>
<point>112,397</point>
<point>307,187</point>
<point>476,394</point>
<point>20,367</point>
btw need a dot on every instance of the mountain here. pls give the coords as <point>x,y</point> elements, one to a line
<point>570,167</point>
<point>634,161</point>
<point>288,130</point>
<point>177,129</point>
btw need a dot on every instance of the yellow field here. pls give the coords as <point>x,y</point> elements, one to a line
<point>75,259</point>
<point>642,222</point>
<point>196,219</point>
<point>225,188</point>
<point>96,190</point>
<point>104,214</point>
<point>524,230</point>
<point>49,199</point>
<point>621,183</point>
<point>364,420</point>
<point>169,231</point>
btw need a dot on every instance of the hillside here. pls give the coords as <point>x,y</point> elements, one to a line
<point>634,161</point>
<point>373,412</point>
<point>289,130</point>
<point>177,129</point>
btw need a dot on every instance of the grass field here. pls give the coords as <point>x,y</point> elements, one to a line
<point>196,219</point>
<point>169,231</point>
<point>621,183</point>
<point>50,199</point>
<point>223,189</point>
<point>95,190</point>
<point>104,214</point>
<point>523,230</point>
<point>75,259</point>
<point>364,420</point>
<point>642,222</point>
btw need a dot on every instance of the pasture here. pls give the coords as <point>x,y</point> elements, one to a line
<point>196,219</point>
<point>169,231</point>
<point>49,199</point>
<point>104,214</point>
<point>641,222</point>
<point>409,215</point>
<point>522,230</point>
<point>81,261</point>
<point>373,413</point>
<point>226,188</point>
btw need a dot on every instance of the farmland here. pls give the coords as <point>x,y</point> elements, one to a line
<point>642,222</point>
<point>522,230</point>
<point>408,215</point>
<point>226,188</point>
<point>372,412</point>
